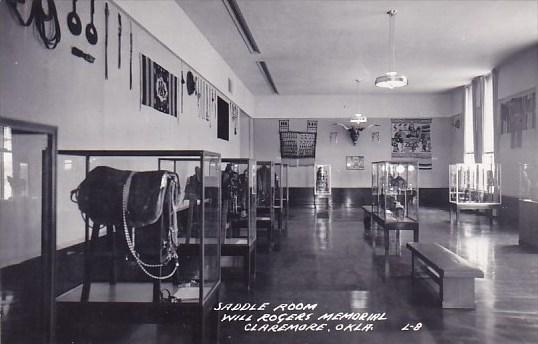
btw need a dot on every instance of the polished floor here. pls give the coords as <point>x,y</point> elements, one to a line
<point>329,262</point>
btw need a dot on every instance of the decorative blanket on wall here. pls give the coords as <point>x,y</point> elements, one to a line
<point>298,147</point>
<point>518,113</point>
<point>411,139</point>
<point>158,87</point>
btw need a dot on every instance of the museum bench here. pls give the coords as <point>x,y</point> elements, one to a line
<point>454,275</point>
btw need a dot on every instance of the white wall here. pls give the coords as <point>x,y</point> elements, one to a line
<point>517,74</point>
<point>267,147</point>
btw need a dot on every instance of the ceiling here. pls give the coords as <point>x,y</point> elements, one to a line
<point>322,46</point>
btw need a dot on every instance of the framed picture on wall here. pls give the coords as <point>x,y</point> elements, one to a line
<point>355,162</point>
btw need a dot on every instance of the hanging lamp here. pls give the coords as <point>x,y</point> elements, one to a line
<point>391,79</point>
<point>358,117</point>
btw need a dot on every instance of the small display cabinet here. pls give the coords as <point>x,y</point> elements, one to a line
<point>474,187</point>
<point>265,202</point>
<point>149,239</point>
<point>322,187</point>
<point>528,205</point>
<point>395,191</point>
<point>239,212</point>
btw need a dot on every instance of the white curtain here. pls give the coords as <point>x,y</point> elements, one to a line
<point>488,143</point>
<point>468,140</point>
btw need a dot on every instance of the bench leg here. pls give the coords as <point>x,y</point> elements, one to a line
<point>457,293</point>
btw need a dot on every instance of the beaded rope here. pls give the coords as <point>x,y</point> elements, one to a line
<point>130,242</point>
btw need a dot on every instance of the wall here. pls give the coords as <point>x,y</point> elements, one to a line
<point>517,74</point>
<point>267,147</point>
<point>57,88</point>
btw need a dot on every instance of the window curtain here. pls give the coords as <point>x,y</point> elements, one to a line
<point>488,141</point>
<point>478,116</point>
<point>468,141</point>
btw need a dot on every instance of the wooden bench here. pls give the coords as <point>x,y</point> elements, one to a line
<point>454,275</point>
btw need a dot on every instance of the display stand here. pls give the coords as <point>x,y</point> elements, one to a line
<point>265,200</point>
<point>28,231</point>
<point>322,189</point>
<point>394,202</point>
<point>528,205</point>
<point>474,187</point>
<point>118,286</point>
<point>239,213</point>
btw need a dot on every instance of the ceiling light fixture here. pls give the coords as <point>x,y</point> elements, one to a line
<point>358,117</point>
<point>391,79</point>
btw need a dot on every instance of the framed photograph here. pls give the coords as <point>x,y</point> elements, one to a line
<point>355,162</point>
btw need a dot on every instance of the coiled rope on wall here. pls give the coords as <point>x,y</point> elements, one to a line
<point>46,24</point>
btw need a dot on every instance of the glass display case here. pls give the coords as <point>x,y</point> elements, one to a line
<point>528,205</point>
<point>27,231</point>
<point>322,180</point>
<point>265,199</point>
<point>239,200</point>
<point>150,230</point>
<point>395,190</point>
<point>475,184</point>
<point>239,212</point>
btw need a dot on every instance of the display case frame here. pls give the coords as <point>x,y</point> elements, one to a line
<point>44,328</point>
<point>474,187</point>
<point>281,195</point>
<point>283,170</point>
<point>243,199</point>
<point>202,242</point>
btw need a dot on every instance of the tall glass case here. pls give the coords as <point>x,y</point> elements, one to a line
<point>475,184</point>
<point>395,190</point>
<point>322,180</point>
<point>170,254</point>
<point>528,205</point>
<point>528,182</point>
<point>239,201</point>
<point>265,184</point>
<point>27,231</point>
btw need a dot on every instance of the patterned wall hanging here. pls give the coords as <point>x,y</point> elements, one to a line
<point>518,113</point>
<point>297,144</point>
<point>158,87</point>
<point>411,138</point>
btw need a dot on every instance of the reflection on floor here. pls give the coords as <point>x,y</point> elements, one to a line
<point>328,262</point>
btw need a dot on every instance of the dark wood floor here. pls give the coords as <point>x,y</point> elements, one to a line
<point>328,262</point>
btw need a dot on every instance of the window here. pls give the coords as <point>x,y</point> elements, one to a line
<point>6,162</point>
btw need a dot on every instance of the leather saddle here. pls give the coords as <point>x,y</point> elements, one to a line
<point>100,196</point>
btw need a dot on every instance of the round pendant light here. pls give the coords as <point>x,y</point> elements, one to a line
<point>391,79</point>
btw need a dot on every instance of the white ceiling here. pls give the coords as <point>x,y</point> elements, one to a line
<point>321,47</point>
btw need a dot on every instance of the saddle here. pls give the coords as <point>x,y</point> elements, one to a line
<point>101,195</point>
